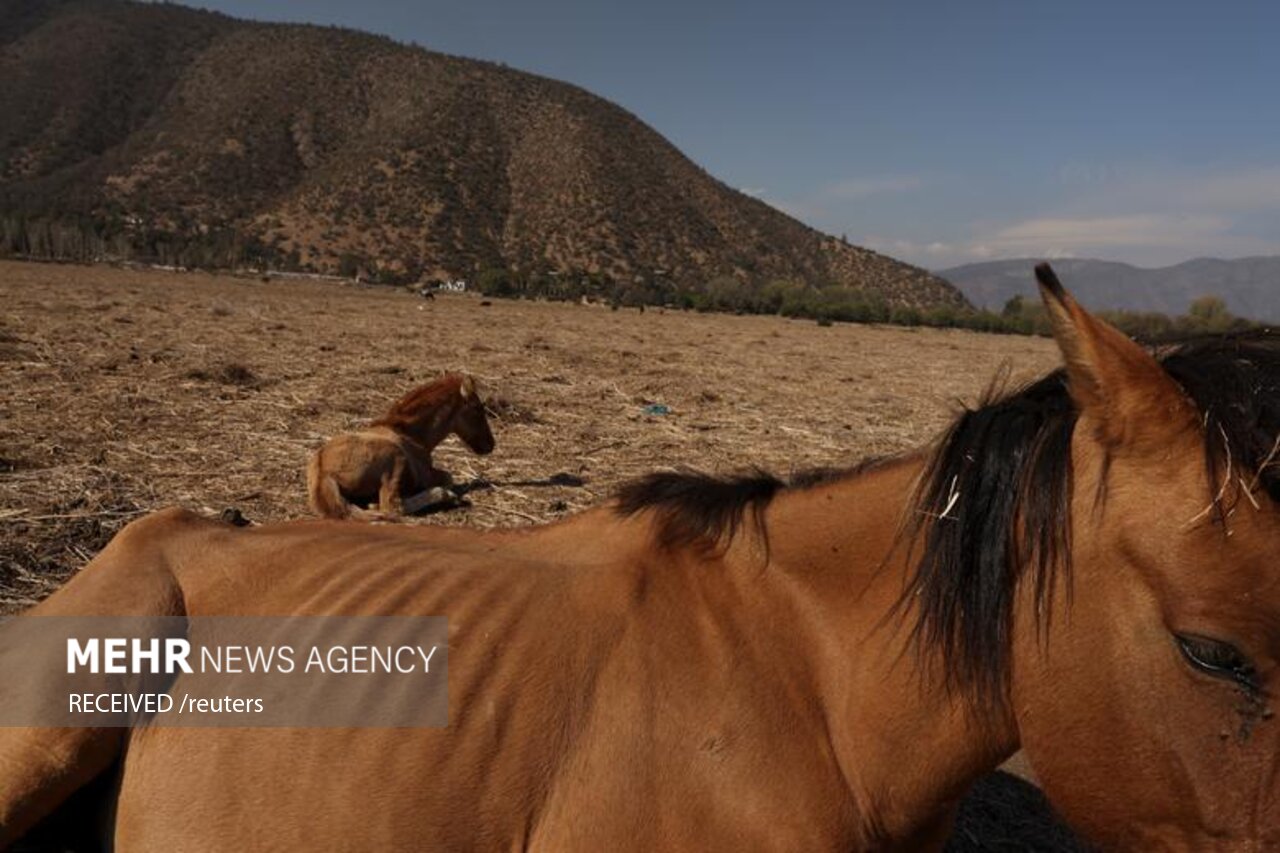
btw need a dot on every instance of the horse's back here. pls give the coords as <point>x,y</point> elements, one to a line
<point>567,668</point>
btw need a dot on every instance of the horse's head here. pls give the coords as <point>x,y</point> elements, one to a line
<point>449,405</point>
<point>470,419</point>
<point>1143,692</point>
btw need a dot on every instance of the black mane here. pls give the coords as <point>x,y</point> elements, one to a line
<point>695,508</point>
<point>698,509</point>
<point>1235,382</point>
<point>994,502</point>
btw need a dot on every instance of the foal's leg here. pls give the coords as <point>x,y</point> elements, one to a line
<point>435,493</point>
<point>435,496</point>
<point>389,501</point>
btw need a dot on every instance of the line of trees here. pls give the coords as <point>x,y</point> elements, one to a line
<point>119,237</point>
<point>88,239</point>
<point>727,295</point>
<point>1205,315</point>
<point>834,303</point>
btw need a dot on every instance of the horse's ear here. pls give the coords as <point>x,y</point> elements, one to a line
<point>467,387</point>
<point>1127,394</point>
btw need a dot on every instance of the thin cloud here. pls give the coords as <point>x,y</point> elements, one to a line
<point>863,187</point>
<point>890,245</point>
<point>1238,192</point>
<point>804,211</point>
<point>1143,229</point>
<point>1150,217</point>
<point>1258,189</point>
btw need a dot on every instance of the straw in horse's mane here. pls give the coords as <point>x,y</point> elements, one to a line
<point>424,399</point>
<point>1235,382</point>
<point>994,501</point>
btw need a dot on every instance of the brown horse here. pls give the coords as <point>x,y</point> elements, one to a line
<point>388,463</point>
<point>1084,569</point>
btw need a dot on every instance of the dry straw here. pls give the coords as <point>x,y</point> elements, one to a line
<point>129,390</point>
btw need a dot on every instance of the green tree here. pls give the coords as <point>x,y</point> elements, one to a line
<point>1209,308</point>
<point>724,293</point>
<point>1209,313</point>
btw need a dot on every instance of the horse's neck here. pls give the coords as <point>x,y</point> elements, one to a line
<point>431,427</point>
<point>905,744</point>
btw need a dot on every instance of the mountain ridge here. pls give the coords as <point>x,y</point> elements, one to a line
<point>1248,285</point>
<point>202,139</point>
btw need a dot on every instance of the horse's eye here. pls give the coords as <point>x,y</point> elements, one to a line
<point>1217,658</point>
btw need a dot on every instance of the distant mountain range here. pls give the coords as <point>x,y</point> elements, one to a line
<point>142,129</point>
<point>1250,286</point>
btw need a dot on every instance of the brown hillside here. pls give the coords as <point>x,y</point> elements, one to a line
<point>194,138</point>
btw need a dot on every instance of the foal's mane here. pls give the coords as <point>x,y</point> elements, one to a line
<point>422,400</point>
<point>993,503</point>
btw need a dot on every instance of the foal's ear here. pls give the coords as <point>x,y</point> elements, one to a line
<point>467,387</point>
<point>1120,385</point>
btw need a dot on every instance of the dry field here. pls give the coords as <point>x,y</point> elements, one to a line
<point>128,390</point>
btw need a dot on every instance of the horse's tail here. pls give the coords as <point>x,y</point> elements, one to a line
<point>322,490</point>
<point>44,766</point>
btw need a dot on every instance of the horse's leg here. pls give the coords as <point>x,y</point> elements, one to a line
<point>436,477</point>
<point>435,491</point>
<point>389,500</point>
<point>435,496</point>
<point>40,767</point>
<point>323,493</point>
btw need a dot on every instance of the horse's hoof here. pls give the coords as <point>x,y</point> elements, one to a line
<point>441,496</point>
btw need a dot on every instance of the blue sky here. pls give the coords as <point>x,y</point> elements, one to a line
<point>938,132</point>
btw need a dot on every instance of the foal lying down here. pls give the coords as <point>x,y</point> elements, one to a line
<point>387,465</point>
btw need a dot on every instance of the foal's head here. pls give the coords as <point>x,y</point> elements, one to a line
<point>471,419</point>
<point>449,405</point>
<point>1144,493</point>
